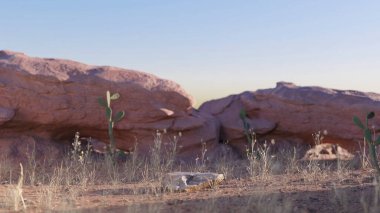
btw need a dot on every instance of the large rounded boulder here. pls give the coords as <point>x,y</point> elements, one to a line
<point>291,114</point>
<point>51,99</point>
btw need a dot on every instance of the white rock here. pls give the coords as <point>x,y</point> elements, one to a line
<point>190,181</point>
<point>327,151</point>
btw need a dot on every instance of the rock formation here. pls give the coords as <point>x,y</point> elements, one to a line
<point>51,99</point>
<point>48,100</point>
<point>289,113</point>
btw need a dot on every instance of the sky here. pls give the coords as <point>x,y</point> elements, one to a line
<point>213,48</point>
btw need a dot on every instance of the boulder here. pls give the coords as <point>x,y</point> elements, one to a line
<point>292,113</point>
<point>51,99</point>
<point>190,181</point>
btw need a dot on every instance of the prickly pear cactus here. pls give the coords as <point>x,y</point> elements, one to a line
<point>246,126</point>
<point>370,138</point>
<point>112,119</point>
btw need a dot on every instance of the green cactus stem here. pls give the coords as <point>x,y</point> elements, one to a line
<point>246,126</point>
<point>370,139</point>
<point>106,103</point>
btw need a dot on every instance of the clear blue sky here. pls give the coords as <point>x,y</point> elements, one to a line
<point>212,48</point>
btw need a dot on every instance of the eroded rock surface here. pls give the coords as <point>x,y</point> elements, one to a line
<point>51,99</point>
<point>292,113</point>
<point>6,114</point>
<point>54,98</point>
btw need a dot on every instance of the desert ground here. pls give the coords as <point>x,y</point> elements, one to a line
<point>190,106</point>
<point>84,138</point>
<point>275,182</point>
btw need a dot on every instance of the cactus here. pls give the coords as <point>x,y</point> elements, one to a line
<point>370,138</point>
<point>110,118</point>
<point>246,126</point>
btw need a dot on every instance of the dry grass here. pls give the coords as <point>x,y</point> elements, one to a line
<point>266,181</point>
<point>14,195</point>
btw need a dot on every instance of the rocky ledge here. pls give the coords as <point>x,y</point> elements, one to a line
<point>51,99</point>
<point>45,101</point>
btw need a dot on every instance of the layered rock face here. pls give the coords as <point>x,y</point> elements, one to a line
<point>289,113</point>
<point>51,99</point>
<point>48,100</point>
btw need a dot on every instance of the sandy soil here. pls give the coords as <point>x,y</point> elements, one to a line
<point>352,191</point>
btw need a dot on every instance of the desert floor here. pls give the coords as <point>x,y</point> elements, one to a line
<point>317,190</point>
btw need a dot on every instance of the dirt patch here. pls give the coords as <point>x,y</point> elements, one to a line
<point>353,191</point>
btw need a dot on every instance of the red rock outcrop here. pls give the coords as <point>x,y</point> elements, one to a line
<point>291,113</point>
<point>52,99</point>
<point>48,100</point>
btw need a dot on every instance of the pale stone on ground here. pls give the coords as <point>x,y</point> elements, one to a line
<point>190,181</point>
<point>328,151</point>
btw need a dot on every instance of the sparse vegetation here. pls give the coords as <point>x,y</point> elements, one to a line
<point>269,179</point>
<point>259,157</point>
<point>15,195</point>
<point>201,160</point>
<point>78,177</point>
<point>246,126</point>
<point>370,138</point>
<point>319,136</point>
<point>111,119</point>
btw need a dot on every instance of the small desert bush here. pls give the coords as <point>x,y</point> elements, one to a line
<point>6,170</point>
<point>225,162</point>
<point>202,159</point>
<point>260,159</point>
<point>162,154</point>
<point>14,199</point>
<point>132,166</point>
